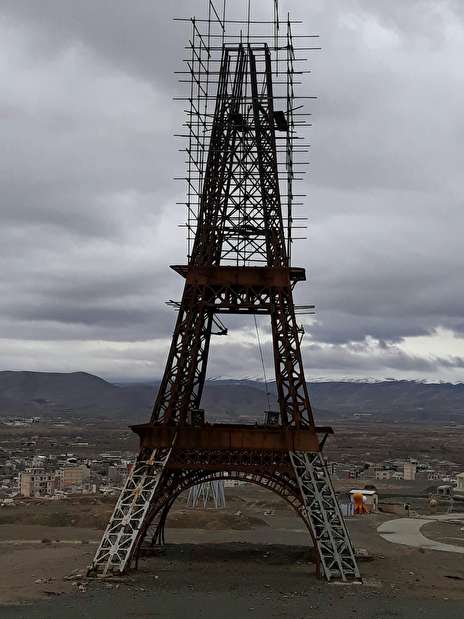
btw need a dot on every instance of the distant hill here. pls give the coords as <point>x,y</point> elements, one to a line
<point>85,395</point>
<point>78,393</point>
<point>401,399</point>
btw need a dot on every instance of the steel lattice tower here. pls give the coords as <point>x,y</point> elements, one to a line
<point>239,263</point>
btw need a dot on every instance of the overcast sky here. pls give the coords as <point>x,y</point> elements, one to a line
<point>88,214</point>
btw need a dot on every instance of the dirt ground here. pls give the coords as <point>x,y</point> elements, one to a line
<point>238,558</point>
<point>86,512</point>
<point>445,532</point>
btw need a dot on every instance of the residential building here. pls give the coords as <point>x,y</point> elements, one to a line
<point>70,476</point>
<point>35,482</point>
<point>117,474</point>
<point>384,474</point>
<point>409,471</point>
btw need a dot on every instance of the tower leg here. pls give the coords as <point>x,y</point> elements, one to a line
<point>158,537</point>
<point>119,540</point>
<point>331,538</point>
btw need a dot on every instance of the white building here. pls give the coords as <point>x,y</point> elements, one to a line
<point>409,471</point>
<point>458,492</point>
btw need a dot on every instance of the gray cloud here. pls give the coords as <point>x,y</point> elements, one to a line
<point>89,221</point>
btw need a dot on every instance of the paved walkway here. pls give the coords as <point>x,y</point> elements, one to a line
<point>406,531</point>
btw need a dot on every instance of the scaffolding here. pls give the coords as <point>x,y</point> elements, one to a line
<point>289,57</point>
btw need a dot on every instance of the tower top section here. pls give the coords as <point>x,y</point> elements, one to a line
<point>286,45</point>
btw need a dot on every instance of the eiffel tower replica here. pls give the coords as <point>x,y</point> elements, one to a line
<point>241,150</point>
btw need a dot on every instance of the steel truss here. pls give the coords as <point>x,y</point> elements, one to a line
<point>117,544</point>
<point>321,508</point>
<point>208,493</point>
<point>239,222</point>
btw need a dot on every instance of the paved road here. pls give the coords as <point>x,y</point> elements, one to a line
<point>406,531</point>
<point>330,602</point>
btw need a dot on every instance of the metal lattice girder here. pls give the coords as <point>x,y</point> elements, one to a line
<point>219,166</point>
<point>292,391</point>
<point>329,531</point>
<point>119,540</point>
<point>205,493</point>
<point>267,162</point>
<point>183,380</point>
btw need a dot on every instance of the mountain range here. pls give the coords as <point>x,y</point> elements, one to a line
<point>85,395</point>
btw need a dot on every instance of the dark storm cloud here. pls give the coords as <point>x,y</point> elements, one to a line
<point>88,205</point>
<point>137,36</point>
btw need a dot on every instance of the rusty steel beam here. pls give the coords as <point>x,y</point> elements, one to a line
<point>242,276</point>
<point>225,436</point>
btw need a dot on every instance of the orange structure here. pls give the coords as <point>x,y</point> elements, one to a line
<point>358,502</point>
